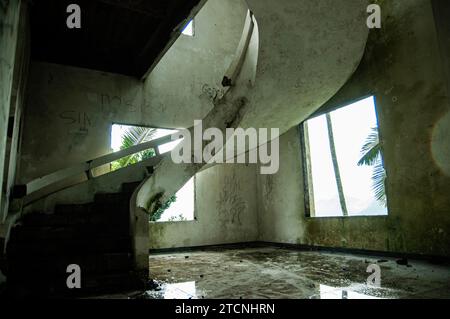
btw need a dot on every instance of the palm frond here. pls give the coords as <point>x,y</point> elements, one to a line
<point>378,180</point>
<point>132,136</point>
<point>136,135</point>
<point>371,150</point>
<point>371,156</point>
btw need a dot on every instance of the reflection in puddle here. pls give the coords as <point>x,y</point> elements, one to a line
<point>188,290</point>
<point>327,292</point>
<point>183,290</point>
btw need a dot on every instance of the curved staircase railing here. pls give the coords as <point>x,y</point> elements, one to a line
<point>49,184</point>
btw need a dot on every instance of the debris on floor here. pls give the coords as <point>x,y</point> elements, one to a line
<point>271,272</point>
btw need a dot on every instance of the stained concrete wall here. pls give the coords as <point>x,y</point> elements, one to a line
<point>404,69</point>
<point>225,211</point>
<point>69,116</point>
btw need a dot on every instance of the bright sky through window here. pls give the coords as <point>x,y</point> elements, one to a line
<point>183,207</point>
<point>351,127</point>
<point>118,130</point>
<point>189,29</point>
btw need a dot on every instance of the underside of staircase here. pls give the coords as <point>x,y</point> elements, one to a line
<point>95,236</point>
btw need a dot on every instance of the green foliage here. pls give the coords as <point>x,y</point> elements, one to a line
<point>372,156</point>
<point>371,150</point>
<point>378,179</point>
<point>157,215</point>
<point>133,136</point>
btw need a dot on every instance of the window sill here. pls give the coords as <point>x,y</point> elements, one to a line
<point>175,222</point>
<point>346,217</point>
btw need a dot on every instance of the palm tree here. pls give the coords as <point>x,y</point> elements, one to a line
<point>337,173</point>
<point>132,136</point>
<point>372,156</point>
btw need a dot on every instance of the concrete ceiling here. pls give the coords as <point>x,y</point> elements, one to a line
<point>119,36</point>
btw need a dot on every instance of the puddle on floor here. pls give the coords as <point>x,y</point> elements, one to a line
<point>189,290</point>
<point>181,290</point>
<point>328,292</point>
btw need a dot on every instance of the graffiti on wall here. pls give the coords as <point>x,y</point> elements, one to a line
<point>116,103</point>
<point>78,120</point>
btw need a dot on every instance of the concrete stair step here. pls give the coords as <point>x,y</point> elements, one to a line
<point>57,264</point>
<point>130,187</point>
<point>101,214</point>
<point>81,245</point>
<point>24,233</point>
<point>112,198</point>
<point>73,209</point>
<point>56,286</point>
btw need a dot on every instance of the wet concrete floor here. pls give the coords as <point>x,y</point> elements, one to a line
<point>273,272</point>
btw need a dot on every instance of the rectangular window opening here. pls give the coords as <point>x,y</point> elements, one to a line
<point>181,206</point>
<point>125,136</point>
<point>343,163</point>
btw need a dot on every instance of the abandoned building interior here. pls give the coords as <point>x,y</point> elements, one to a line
<point>359,178</point>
